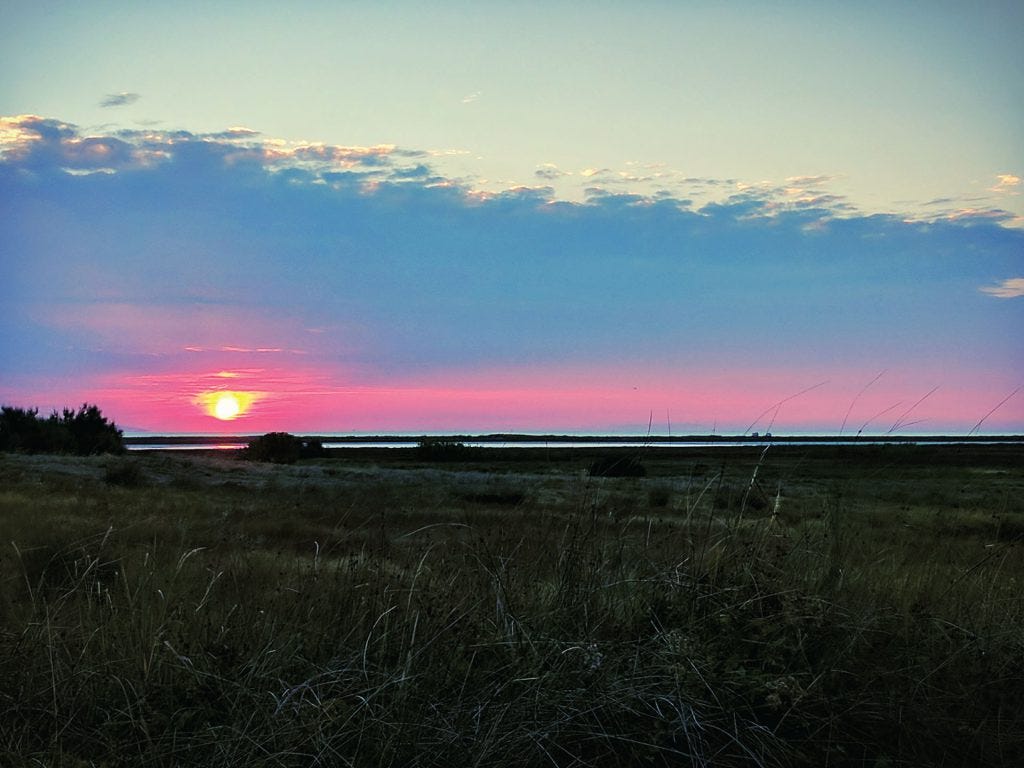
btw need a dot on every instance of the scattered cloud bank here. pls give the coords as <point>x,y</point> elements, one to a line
<point>155,251</point>
<point>46,145</point>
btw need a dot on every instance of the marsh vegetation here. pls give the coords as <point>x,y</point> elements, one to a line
<point>795,606</point>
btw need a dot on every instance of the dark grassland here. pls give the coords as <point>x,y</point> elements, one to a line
<point>801,606</point>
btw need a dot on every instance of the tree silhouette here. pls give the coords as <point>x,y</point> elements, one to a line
<point>276,447</point>
<point>84,432</point>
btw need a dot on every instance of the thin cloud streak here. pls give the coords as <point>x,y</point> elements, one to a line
<point>1011,288</point>
<point>122,99</point>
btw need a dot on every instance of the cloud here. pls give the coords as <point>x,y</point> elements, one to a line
<point>1006,183</point>
<point>38,143</point>
<point>1011,288</point>
<point>705,182</point>
<point>419,171</point>
<point>968,216</point>
<point>235,132</point>
<point>122,99</point>
<point>47,145</point>
<point>550,172</point>
<point>16,130</point>
<point>133,325</point>
<point>809,181</point>
<point>470,98</point>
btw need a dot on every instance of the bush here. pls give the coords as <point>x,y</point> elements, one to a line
<point>310,448</point>
<point>275,447</point>
<point>617,466</point>
<point>83,432</point>
<point>431,449</point>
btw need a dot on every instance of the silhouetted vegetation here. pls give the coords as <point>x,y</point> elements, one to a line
<point>439,449</point>
<point>617,466</point>
<point>311,448</point>
<point>84,432</point>
<point>275,447</point>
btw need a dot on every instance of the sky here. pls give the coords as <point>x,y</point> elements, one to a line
<point>601,217</point>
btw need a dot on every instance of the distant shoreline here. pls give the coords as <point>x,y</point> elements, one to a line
<point>512,439</point>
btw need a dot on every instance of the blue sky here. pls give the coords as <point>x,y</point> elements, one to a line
<point>490,216</point>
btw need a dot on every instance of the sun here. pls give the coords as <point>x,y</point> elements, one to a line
<point>226,406</point>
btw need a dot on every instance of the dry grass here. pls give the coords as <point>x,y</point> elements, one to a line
<point>734,608</point>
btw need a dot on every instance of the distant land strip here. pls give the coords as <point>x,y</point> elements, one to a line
<point>512,439</point>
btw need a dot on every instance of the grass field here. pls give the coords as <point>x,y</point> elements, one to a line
<point>803,606</point>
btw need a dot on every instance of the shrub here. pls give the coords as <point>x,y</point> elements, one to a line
<point>617,466</point>
<point>310,448</point>
<point>439,449</point>
<point>275,447</point>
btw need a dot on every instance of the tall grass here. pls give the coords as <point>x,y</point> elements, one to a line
<point>335,615</point>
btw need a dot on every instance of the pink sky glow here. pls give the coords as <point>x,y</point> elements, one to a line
<point>570,399</point>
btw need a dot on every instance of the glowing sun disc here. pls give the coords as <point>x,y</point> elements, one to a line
<point>226,407</point>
